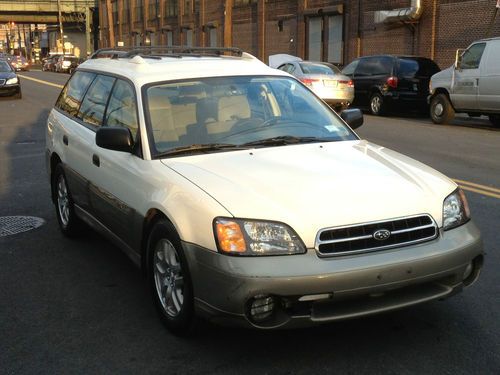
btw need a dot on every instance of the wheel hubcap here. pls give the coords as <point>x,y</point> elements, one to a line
<point>438,109</point>
<point>63,200</point>
<point>375,104</point>
<point>168,277</point>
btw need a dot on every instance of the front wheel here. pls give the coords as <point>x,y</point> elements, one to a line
<point>69,223</point>
<point>495,120</point>
<point>377,105</point>
<point>169,279</point>
<point>441,110</point>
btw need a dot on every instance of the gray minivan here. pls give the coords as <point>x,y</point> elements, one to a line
<point>471,85</point>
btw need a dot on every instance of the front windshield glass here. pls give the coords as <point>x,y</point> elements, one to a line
<point>238,112</point>
<point>4,67</point>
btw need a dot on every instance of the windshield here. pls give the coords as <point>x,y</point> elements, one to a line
<point>222,113</point>
<point>4,67</point>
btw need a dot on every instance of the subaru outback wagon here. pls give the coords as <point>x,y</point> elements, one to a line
<point>245,198</point>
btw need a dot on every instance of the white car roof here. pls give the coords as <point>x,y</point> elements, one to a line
<point>143,70</point>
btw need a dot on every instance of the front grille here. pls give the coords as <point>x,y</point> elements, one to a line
<point>360,238</point>
<point>2,82</point>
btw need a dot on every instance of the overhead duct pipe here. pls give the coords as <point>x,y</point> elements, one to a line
<point>410,14</point>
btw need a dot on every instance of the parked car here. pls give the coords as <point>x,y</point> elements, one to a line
<point>66,64</point>
<point>20,63</point>
<point>324,79</point>
<point>387,82</point>
<point>9,81</point>
<point>49,63</point>
<point>471,85</point>
<point>245,198</point>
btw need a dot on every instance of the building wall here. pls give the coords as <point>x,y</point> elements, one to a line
<point>266,27</point>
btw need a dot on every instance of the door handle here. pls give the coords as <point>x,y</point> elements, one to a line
<point>65,139</point>
<point>95,160</point>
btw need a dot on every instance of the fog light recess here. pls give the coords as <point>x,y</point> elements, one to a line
<point>261,308</point>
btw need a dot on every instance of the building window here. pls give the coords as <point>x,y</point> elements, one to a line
<point>126,12</point>
<point>325,38</point>
<point>138,11</point>
<point>213,37</point>
<point>170,38</point>
<point>189,37</point>
<point>188,7</point>
<point>114,7</point>
<point>171,8</point>
<point>314,30</point>
<point>244,2</point>
<point>154,10</point>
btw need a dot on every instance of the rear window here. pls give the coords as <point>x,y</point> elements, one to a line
<point>309,68</point>
<point>410,68</point>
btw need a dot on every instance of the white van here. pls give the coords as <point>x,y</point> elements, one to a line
<point>471,85</point>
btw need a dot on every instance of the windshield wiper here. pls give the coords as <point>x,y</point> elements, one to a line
<point>286,140</point>
<point>200,148</point>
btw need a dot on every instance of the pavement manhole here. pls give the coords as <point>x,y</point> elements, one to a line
<point>17,224</point>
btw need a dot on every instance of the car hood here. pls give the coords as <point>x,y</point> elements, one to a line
<point>7,75</point>
<point>444,74</point>
<point>313,186</point>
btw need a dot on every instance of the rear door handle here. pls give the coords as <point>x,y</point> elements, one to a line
<point>96,160</point>
<point>65,139</point>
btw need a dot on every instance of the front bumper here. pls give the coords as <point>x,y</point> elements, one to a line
<point>350,286</point>
<point>10,90</point>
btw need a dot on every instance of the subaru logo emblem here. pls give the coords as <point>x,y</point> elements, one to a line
<point>381,234</point>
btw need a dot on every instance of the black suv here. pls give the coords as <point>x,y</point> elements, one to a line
<point>386,81</point>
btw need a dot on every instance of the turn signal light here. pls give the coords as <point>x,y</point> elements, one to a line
<point>230,237</point>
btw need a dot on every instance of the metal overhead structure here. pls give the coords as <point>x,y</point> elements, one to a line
<point>60,12</point>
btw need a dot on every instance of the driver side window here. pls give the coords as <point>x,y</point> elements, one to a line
<point>472,57</point>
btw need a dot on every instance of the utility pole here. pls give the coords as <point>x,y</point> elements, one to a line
<point>87,30</point>
<point>228,24</point>
<point>109,11</point>
<point>61,32</point>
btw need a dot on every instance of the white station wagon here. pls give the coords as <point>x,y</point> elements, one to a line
<point>245,198</point>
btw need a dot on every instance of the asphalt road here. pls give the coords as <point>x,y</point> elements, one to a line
<point>81,306</point>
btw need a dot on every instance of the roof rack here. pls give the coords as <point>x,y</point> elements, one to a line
<point>167,51</point>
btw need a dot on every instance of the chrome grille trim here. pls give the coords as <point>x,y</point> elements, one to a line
<point>2,82</point>
<point>390,222</point>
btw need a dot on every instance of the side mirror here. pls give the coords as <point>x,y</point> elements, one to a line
<point>353,117</point>
<point>458,58</point>
<point>114,138</point>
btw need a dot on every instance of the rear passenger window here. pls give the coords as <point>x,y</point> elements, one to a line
<point>94,103</point>
<point>71,96</point>
<point>372,66</point>
<point>122,109</point>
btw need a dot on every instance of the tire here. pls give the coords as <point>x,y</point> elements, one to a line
<point>169,279</point>
<point>441,110</point>
<point>69,223</point>
<point>495,120</point>
<point>377,105</point>
<point>19,95</point>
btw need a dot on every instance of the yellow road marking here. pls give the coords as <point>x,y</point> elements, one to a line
<point>477,188</point>
<point>483,187</point>
<point>40,81</point>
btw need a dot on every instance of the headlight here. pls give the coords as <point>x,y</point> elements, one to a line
<point>252,237</point>
<point>455,210</point>
<point>12,81</point>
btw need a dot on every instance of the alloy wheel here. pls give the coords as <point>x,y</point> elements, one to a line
<point>168,277</point>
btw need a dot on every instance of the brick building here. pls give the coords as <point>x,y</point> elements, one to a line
<point>328,30</point>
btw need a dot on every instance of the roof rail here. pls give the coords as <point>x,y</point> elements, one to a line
<point>172,51</point>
